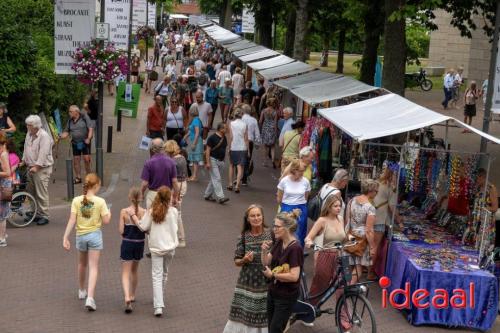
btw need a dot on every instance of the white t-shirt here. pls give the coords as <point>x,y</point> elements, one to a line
<point>238,129</point>
<point>294,192</point>
<point>175,120</point>
<point>253,128</point>
<point>223,75</point>
<point>204,110</point>
<point>238,82</point>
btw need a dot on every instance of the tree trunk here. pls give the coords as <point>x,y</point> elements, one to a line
<point>326,50</point>
<point>290,33</point>
<point>340,56</point>
<point>264,22</point>
<point>228,15</point>
<point>299,47</point>
<point>374,26</point>
<point>393,74</point>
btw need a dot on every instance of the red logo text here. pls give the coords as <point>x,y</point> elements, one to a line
<point>423,298</point>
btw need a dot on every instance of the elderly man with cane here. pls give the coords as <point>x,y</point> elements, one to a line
<point>37,156</point>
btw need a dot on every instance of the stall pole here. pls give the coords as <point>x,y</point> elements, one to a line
<point>446,135</point>
<point>487,212</point>
<point>129,48</point>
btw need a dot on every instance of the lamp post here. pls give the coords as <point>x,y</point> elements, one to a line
<point>100,110</point>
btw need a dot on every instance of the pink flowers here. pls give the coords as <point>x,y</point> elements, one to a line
<point>94,64</point>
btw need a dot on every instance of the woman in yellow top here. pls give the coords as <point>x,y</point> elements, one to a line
<point>88,213</point>
<point>291,144</point>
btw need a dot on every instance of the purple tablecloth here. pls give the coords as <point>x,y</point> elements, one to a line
<point>400,269</point>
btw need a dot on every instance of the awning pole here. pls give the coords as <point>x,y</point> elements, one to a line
<point>446,135</point>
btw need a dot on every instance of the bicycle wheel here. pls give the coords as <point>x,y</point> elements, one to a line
<point>354,313</point>
<point>23,209</point>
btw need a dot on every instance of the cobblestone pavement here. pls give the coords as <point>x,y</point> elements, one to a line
<point>38,282</point>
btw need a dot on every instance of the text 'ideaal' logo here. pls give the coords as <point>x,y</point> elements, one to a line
<point>423,298</point>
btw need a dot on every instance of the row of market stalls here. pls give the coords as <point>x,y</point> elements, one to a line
<point>436,247</point>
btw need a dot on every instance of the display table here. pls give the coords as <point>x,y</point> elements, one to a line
<point>428,264</point>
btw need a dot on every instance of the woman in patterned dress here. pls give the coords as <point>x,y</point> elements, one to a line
<point>248,312</point>
<point>269,128</point>
<point>5,181</point>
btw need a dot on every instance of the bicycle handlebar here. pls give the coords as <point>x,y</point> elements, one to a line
<point>336,246</point>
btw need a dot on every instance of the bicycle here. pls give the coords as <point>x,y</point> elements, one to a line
<point>23,207</point>
<point>353,303</point>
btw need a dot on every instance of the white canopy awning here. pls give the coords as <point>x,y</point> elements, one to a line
<point>248,51</point>
<point>330,90</point>
<point>177,16</point>
<point>258,55</point>
<point>290,69</point>
<point>387,115</point>
<point>269,63</point>
<point>303,79</point>
<point>240,45</point>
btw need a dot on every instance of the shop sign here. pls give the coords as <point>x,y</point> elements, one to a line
<point>247,21</point>
<point>118,15</point>
<point>74,24</point>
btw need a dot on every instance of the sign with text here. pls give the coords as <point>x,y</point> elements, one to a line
<point>117,15</point>
<point>74,22</point>
<point>139,15</point>
<point>102,31</point>
<point>152,15</point>
<point>247,21</point>
<point>127,99</point>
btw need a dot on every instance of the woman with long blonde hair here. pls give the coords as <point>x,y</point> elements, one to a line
<point>161,223</point>
<point>88,213</point>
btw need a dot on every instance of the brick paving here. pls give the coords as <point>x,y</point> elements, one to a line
<point>38,281</point>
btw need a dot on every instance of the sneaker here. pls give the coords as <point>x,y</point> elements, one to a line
<point>244,183</point>
<point>90,304</point>
<point>182,243</point>
<point>158,312</point>
<point>306,324</point>
<point>82,293</point>
<point>209,199</point>
<point>3,242</point>
<point>223,200</point>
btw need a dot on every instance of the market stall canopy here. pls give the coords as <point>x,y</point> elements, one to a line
<point>303,79</point>
<point>330,90</point>
<point>386,115</point>
<point>259,55</point>
<point>177,16</point>
<point>240,45</point>
<point>248,51</point>
<point>204,24</point>
<point>269,63</point>
<point>290,69</point>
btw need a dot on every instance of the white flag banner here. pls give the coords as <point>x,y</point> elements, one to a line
<point>247,21</point>
<point>152,15</point>
<point>139,15</point>
<point>74,27</point>
<point>117,15</point>
<point>495,103</point>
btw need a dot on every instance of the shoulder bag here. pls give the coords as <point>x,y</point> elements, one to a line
<point>6,193</point>
<point>361,243</point>
<point>284,148</point>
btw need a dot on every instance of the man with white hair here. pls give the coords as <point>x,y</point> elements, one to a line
<point>37,156</point>
<point>287,125</point>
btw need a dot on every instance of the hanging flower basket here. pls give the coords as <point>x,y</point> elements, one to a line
<point>96,64</point>
<point>145,32</point>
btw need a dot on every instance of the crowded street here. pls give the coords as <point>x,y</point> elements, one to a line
<point>191,179</point>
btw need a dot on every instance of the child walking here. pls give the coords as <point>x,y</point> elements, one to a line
<point>132,246</point>
<point>161,222</point>
<point>88,213</point>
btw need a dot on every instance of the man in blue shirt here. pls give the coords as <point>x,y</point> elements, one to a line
<point>449,80</point>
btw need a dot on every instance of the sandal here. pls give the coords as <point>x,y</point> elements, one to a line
<point>229,188</point>
<point>128,307</point>
<point>191,179</point>
<point>237,190</point>
<point>77,181</point>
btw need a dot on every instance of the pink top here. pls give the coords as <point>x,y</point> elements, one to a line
<point>13,161</point>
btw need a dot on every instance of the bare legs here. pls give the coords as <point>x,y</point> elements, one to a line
<point>77,166</point>
<point>91,259</point>
<point>239,175</point>
<point>3,227</point>
<point>129,279</point>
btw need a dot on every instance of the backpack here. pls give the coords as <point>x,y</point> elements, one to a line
<point>315,204</point>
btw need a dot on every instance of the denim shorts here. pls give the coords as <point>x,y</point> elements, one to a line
<point>379,228</point>
<point>90,241</point>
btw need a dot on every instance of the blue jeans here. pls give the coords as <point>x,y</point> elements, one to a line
<point>447,97</point>
<point>301,232</point>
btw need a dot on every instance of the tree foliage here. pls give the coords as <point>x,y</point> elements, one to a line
<point>28,82</point>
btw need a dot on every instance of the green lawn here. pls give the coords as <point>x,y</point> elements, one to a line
<point>351,70</point>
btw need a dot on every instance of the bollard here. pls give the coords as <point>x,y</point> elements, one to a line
<point>69,178</point>
<point>119,121</point>
<point>110,139</point>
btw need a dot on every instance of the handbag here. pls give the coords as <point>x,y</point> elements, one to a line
<point>361,242</point>
<point>153,75</point>
<point>5,193</point>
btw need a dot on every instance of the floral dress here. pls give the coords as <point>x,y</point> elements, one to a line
<point>358,213</point>
<point>268,133</point>
<point>248,311</point>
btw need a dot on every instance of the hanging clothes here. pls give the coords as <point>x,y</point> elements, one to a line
<point>325,156</point>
